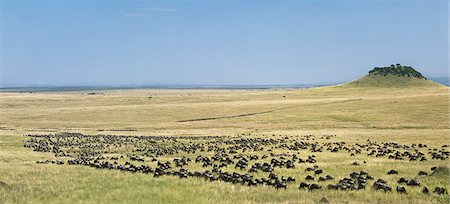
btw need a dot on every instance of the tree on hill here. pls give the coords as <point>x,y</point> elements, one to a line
<point>397,70</point>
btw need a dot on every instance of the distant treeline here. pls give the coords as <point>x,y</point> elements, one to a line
<point>397,70</point>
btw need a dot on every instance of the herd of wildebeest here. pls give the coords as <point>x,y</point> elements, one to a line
<point>238,159</point>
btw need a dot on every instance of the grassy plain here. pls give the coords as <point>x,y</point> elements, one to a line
<point>403,115</point>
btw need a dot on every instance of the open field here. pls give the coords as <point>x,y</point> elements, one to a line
<point>405,116</point>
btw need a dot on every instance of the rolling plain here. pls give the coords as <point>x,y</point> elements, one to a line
<point>356,119</point>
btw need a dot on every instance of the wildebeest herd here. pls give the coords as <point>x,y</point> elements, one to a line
<point>245,160</point>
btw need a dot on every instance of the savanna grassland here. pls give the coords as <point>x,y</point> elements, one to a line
<point>354,115</point>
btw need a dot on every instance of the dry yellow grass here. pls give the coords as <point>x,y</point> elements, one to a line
<point>412,115</point>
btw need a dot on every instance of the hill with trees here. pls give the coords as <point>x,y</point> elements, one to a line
<point>393,76</point>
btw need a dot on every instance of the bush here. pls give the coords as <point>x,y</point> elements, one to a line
<point>397,70</point>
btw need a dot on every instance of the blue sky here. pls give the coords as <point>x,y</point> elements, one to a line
<point>216,42</point>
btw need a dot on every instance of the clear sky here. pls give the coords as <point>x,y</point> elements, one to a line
<point>215,42</point>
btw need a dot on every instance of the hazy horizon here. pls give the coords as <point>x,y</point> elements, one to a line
<point>80,87</point>
<point>120,43</point>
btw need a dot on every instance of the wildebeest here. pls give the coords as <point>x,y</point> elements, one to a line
<point>401,189</point>
<point>212,156</point>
